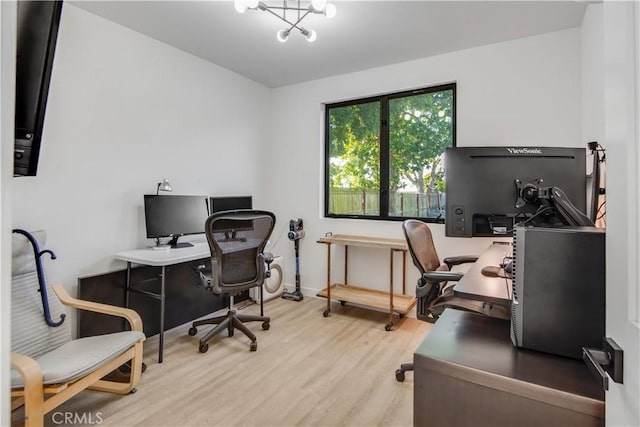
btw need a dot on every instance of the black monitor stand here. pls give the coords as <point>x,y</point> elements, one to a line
<point>176,245</point>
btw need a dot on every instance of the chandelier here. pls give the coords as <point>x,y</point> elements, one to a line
<point>292,15</point>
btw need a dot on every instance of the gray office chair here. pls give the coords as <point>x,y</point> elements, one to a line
<point>434,291</point>
<point>237,240</point>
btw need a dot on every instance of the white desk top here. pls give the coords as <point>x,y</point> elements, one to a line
<point>166,257</point>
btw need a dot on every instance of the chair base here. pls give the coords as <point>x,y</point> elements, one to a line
<point>403,368</point>
<point>230,322</point>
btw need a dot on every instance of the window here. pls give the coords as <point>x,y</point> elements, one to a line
<point>384,155</point>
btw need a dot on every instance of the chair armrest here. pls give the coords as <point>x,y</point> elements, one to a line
<point>442,276</point>
<point>28,369</point>
<point>461,259</point>
<point>268,257</point>
<point>132,316</point>
<point>32,393</point>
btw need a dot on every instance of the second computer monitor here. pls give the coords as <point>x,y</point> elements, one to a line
<point>229,203</point>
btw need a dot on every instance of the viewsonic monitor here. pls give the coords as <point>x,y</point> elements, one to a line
<point>174,216</point>
<point>481,190</point>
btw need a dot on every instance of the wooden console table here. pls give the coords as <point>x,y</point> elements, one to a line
<point>395,303</point>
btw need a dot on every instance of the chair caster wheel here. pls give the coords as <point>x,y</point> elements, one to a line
<point>325,313</point>
<point>133,390</point>
<point>399,375</point>
<point>193,331</point>
<point>253,346</point>
<point>204,347</point>
<point>266,326</point>
<point>343,303</point>
<point>388,326</point>
<point>231,332</point>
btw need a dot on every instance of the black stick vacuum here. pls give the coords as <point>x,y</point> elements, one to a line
<point>295,233</point>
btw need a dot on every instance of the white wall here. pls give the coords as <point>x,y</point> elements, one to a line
<point>592,75</point>
<point>125,111</point>
<point>522,92</point>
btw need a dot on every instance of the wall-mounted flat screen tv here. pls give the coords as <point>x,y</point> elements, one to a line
<point>37,33</point>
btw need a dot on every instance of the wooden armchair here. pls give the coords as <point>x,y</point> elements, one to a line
<point>48,367</point>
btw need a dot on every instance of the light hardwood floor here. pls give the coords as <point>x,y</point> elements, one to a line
<point>308,371</point>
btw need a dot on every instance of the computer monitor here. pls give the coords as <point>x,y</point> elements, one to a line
<point>483,186</point>
<point>174,216</point>
<point>230,203</point>
<point>595,193</point>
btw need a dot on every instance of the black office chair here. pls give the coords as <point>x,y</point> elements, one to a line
<point>237,240</point>
<point>434,291</point>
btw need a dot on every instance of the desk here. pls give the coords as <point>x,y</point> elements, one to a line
<point>396,303</point>
<point>475,285</point>
<point>467,373</point>
<point>160,259</point>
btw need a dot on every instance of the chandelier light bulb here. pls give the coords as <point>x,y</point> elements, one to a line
<point>330,11</point>
<point>282,35</point>
<point>252,4</point>
<point>311,36</point>
<point>319,5</point>
<point>240,5</point>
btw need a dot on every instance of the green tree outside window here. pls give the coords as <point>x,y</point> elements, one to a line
<point>384,155</point>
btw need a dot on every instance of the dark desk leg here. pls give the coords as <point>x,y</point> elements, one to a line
<point>127,287</point>
<point>161,344</point>
<point>160,296</point>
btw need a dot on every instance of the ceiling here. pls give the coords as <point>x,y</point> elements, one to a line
<point>363,35</point>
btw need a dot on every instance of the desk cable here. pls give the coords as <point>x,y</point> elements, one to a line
<point>539,212</point>
<point>278,238</point>
<point>505,261</point>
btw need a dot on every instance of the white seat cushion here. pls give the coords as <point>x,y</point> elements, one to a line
<point>79,357</point>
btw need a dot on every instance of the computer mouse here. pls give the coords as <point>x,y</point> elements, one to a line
<point>492,271</point>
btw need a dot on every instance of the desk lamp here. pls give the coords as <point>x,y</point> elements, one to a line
<point>163,186</point>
